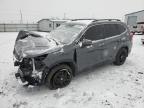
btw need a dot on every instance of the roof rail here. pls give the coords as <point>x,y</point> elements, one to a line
<point>82,19</point>
<point>107,20</point>
<point>95,20</point>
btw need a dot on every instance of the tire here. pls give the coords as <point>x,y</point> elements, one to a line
<point>121,57</point>
<point>59,77</point>
<point>143,43</point>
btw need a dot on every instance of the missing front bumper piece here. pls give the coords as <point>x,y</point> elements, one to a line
<point>30,70</point>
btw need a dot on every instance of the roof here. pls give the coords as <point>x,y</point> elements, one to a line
<point>135,12</point>
<point>43,19</point>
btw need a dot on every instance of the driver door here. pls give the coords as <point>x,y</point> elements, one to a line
<point>90,55</point>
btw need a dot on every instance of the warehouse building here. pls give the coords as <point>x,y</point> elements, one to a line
<point>47,25</point>
<point>135,21</point>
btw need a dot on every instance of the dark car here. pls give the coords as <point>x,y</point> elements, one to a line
<point>78,44</point>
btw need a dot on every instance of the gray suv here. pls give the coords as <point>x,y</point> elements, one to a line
<point>74,46</point>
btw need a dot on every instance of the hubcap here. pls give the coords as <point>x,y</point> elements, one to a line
<point>61,78</point>
<point>122,57</point>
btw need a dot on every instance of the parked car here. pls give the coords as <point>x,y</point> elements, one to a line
<point>72,47</point>
<point>139,28</point>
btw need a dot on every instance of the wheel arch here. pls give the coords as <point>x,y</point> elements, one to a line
<point>71,64</point>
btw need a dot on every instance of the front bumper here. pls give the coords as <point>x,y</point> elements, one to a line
<point>33,79</point>
<point>20,75</point>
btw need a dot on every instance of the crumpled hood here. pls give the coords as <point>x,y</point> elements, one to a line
<point>32,46</point>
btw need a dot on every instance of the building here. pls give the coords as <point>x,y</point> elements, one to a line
<point>47,25</point>
<point>135,21</point>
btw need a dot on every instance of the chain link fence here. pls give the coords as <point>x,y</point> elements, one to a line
<point>18,27</point>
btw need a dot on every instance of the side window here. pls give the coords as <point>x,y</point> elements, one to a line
<point>121,28</point>
<point>94,33</point>
<point>111,30</point>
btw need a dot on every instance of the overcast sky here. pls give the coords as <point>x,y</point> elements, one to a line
<point>34,10</point>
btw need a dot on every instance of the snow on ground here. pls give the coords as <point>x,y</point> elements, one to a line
<point>106,86</point>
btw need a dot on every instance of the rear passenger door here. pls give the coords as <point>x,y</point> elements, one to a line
<point>112,37</point>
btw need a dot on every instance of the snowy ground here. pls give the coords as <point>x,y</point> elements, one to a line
<point>107,86</point>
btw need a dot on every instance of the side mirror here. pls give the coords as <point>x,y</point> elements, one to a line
<point>86,42</point>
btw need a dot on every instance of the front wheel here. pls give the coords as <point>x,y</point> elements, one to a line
<point>121,57</point>
<point>59,77</point>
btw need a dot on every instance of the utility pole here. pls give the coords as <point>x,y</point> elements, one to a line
<point>64,15</point>
<point>21,17</point>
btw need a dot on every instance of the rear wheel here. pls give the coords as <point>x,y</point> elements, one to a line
<point>59,77</point>
<point>121,57</point>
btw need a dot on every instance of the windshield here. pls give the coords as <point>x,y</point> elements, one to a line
<point>67,32</point>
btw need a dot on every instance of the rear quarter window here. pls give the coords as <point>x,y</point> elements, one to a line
<point>111,30</point>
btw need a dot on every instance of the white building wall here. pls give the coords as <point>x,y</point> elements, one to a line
<point>48,25</point>
<point>132,19</point>
<point>45,25</point>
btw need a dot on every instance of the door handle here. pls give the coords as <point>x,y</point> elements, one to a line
<point>101,44</point>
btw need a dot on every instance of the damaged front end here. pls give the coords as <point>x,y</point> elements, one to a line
<point>30,70</point>
<point>30,51</point>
